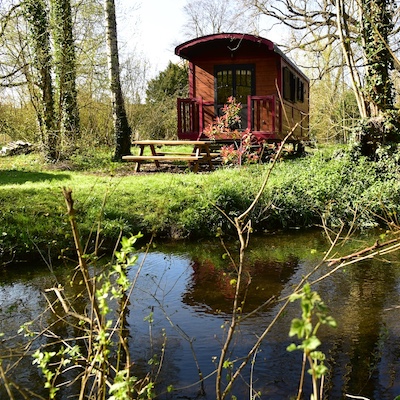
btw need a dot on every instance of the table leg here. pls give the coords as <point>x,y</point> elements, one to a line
<point>137,167</point>
<point>195,164</point>
<point>204,150</point>
<point>208,155</point>
<point>154,153</point>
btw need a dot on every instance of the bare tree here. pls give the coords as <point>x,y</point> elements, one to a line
<point>332,101</point>
<point>320,24</point>
<point>363,30</point>
<point>11,66</point>
<point>46,57</point>
<point>206,17</point>
<point>122,130</point>
<point>76,48</point>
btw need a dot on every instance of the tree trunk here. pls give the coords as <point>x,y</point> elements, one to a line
<point>37,18</point>
<point>122,130</point>
<point>382,125</point>
<point>65,69</point>
<point>343,33</point>
<point>376,26</point>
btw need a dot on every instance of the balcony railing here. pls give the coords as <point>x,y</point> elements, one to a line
<point>262,116</point>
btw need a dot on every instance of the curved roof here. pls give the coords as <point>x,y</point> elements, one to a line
<point>188,49</point>
<point>220,43</point>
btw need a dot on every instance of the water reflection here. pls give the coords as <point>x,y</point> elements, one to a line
<point>358,347</point>
<point>188,292</point>
<point>21,301</point>
<point>212,288</point>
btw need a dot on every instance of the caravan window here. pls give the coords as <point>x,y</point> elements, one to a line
<point>293,86</point>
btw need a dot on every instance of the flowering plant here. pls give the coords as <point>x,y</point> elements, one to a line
<point>248,152</point>
<point>227,126</point>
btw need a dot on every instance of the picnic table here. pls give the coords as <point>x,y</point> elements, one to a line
<point>200,154</point>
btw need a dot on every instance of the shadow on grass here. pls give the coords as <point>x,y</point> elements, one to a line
<point>13,177</point>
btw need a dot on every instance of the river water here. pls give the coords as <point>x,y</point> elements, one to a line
<point>187,287</point>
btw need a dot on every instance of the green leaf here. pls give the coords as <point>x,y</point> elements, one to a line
<point>330,321</point>
<point>292,347</point>
<point>295,296</point>
<point>296,327</point>
<point>317,355</point>
<point>300,327</point>
<point>311,343</point>
<point>228,364</point>
<point>319,370</point>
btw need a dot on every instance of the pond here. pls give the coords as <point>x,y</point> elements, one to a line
<point>187,288</point>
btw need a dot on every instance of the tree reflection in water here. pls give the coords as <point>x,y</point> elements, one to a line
<point>190,286</point>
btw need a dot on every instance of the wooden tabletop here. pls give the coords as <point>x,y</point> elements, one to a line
<point>172,142</point>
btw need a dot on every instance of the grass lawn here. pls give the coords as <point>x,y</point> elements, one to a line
<point>185,205</point>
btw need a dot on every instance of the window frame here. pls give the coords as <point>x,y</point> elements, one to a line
<point>233,68</point>
<point>293,86</point>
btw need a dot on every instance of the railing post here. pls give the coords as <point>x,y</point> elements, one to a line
<point>179,110</point>
<point>190,117</point>
<point>249,112</point>
<point>200,116</point>
<point>273,113</point>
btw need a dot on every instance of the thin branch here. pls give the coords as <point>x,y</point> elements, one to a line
<point>241,217</point>
<point>362,252</point>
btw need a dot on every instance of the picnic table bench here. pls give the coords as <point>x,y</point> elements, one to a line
<point>200,153</point>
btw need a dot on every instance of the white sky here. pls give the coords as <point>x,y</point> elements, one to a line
<point>152,28</point>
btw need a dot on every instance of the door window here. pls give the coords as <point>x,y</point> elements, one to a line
<point>236,81</point>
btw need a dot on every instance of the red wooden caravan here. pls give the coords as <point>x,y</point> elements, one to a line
<point>274,93</point>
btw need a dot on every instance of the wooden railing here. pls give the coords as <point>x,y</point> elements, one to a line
<point>262,116</point>
<point>190,118</point>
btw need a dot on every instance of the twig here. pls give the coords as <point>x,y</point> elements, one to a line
<point>6,383</point>
<point>241,217</point>
<point>360,253</point>
<point>278,315</point>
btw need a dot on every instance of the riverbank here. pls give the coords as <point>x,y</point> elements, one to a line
<point>331,186</point>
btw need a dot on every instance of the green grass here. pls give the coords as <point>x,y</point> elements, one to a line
<point>336,187</point>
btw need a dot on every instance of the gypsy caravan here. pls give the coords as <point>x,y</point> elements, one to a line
<point>272,90</point>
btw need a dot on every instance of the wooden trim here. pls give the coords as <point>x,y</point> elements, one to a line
<point>184,49</point>
<point>192,80</point>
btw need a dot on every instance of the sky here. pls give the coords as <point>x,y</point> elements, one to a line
<point>152,28</point>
